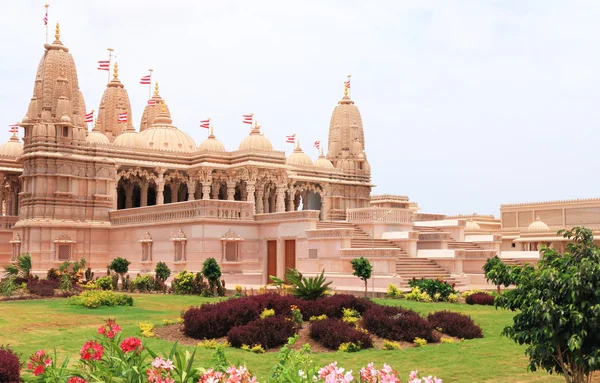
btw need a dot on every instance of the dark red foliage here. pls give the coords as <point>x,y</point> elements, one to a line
<point>332,332</point>
<point>269,332</point>
<point>10,367</point>
<point>43,287</point>
<point>332,305</point>
<point>480,299</point>
<point>395,323</point>
<point>455,324</point>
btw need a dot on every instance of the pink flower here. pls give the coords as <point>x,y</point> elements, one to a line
<point>109,329</point>
<point>168,365</point>
<point>131,344</point>
<point>91,350</point>
<point>76,379</point>
<point>39,370</point>
<point>38,362</point>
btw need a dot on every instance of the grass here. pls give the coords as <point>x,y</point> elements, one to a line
<point>31,325</point>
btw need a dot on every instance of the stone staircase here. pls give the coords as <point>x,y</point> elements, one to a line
<point>452,244</point>
<point>360,239</point>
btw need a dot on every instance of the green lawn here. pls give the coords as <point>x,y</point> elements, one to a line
<point>30,325</point>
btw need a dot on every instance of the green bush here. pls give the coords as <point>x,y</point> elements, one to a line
<point>96,298</point>
<point>417,295</point>
<point>301,287</point>
<point>437,289</point>
<point>183,282</point>
<point>393,291</point>
<point>143,283</point>
<point>104,283</point>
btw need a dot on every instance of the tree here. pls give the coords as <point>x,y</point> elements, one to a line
<point>212,272</point>
<point>362,269</point>
<point>162,271</point>
<point>497,272</point>
<point>557,309</point>
<point>120,266</point>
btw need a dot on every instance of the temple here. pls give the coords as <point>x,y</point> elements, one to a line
<point>72,191</point>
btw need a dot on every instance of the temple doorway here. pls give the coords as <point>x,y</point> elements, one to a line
<point>271,260</point>
<point>290,254</point>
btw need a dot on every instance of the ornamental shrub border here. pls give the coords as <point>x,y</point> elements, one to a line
<point>455,324</point>
<point>333,332</point>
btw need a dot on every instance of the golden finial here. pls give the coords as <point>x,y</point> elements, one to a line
<point>156,89</point>
<point>322,155</point>
<point>57,34</point>
<point>164,107</point>
<point>116,71</point>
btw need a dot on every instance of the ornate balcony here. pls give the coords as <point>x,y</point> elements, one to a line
<point>185,211</point>
<point>379,215</point>
<point>8,221</point>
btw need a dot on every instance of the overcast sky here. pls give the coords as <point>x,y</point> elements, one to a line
<point>465,104</point>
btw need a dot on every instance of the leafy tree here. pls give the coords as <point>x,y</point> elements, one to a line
<point>557,309</point>
<point>305,288</point>
<point>212,272</point>
<point>120,266</point>
<point>162,271</point>
<point>362,269</point>
<point>21,268</point>
<point>497,272</point>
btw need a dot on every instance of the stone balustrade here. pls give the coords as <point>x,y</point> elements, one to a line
<point>379,215</point>
<point>189,210</point>
<point>289,215</point>
<point>8,221</point>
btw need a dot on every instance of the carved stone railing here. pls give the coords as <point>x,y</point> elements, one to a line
<point>475,254</point>
<point>330,233</point>
<point>439,236</point>
<point>379,215</point>
<point>8,221</point>
<point>189,210</point>
<point>428,217</point>
<point>288,215</point>
<point>386,252</point>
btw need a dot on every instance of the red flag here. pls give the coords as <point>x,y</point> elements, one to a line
<point>145,80</point>
<point>104,65</point>
<point>347,84</point>
<point>317,144</point>
<point>290,139</point>
<point>89,117</point>
<point>247,118</point>
<point>46,17</point>
<point>205,123</point>
<point>14,128</point>
<point>122,117</point>
<point>151,102</point>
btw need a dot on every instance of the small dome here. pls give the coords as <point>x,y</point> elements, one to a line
<point>538,225</point>
<point>298,157</point>
<point>323,162</point>
<point>129,138</point>
<point>212,144</point>
<point>361,156</point>
<point>472,226</point>
<point>162,135</point>
<point>345,164</point>
<point>96,137</point>
<point>357,147</point>
<point>256,141</point>
<point>12,148</point>
<point>65,118</point>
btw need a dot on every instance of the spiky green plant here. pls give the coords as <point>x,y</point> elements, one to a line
<point>21,268</point>
<point>305,288</point>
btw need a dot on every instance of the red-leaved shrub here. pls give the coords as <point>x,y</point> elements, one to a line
<point>269,332</point>
<point>332,332</point>
<point>480,299</point>
<point>333,305</point>
<point>43,287</point>
<point>455,324</point>
<point>395,323</point>
<point>211,321</point>
<point>10,367</point>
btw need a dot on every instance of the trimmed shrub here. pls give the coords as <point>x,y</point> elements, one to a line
<point>10,367</point>
<point>437,289</point>
<point>333,332</point>
<point>104,283</point>
<point>43,287</point>
<point>455,324</point>
<point>215,320</point>
<point>480,299</point>
<point>96,298</point>
<point>395,323</point>
<point>333,306</point>
<point>269,332</point>
<point>143,283</point>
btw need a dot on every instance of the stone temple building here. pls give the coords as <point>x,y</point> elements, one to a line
<point>72,191</point>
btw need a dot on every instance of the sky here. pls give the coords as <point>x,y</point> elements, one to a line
<point>466,105</point>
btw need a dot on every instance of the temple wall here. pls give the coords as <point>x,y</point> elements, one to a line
<point>555,213</point>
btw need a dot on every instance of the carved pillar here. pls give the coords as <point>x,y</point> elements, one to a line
<point>174,185</point>
<point>191,190</point>
<point>205,190</point>
<point>160,189</point>
<point>144,192</point>
<point>259,200</point>
<point>129,195</point>
<point>250,189</point>
<point>325,203</point>
<point>9,199</point>
<point>1,200</point>
<point>291,192</point>
<point>231,190</point>
<point>280,195</point>
<point>266,200</point>
<point>216,187</point>
<point>304,195</point>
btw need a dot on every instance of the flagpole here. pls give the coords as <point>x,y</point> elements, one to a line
<point>349,89</point>
<point>110,51</point>
<point>46,21</point>
<point>150,84</point>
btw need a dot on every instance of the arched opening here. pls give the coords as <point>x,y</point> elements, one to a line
<point>136,197</point>
<point>314,201</point>
<point>182,194</point>
<point>152,195</point>
<point>120,197</point>
<point>167,194</point>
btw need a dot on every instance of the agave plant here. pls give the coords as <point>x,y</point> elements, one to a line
<point>21,268</point>
<point>305,288</point>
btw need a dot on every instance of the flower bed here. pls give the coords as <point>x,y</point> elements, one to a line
<point>455,324</point>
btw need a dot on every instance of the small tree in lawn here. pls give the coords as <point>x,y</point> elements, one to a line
<point>362,269</point>
<point>557,309</point>
<point>162,272</point>
<point>212,272</point>
<point>120,266</point>
<point>497,272</point>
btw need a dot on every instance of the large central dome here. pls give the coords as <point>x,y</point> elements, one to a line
<point>162,135</point>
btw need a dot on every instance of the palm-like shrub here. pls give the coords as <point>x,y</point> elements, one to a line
<point>305,288</point>
<point>21,268</point>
